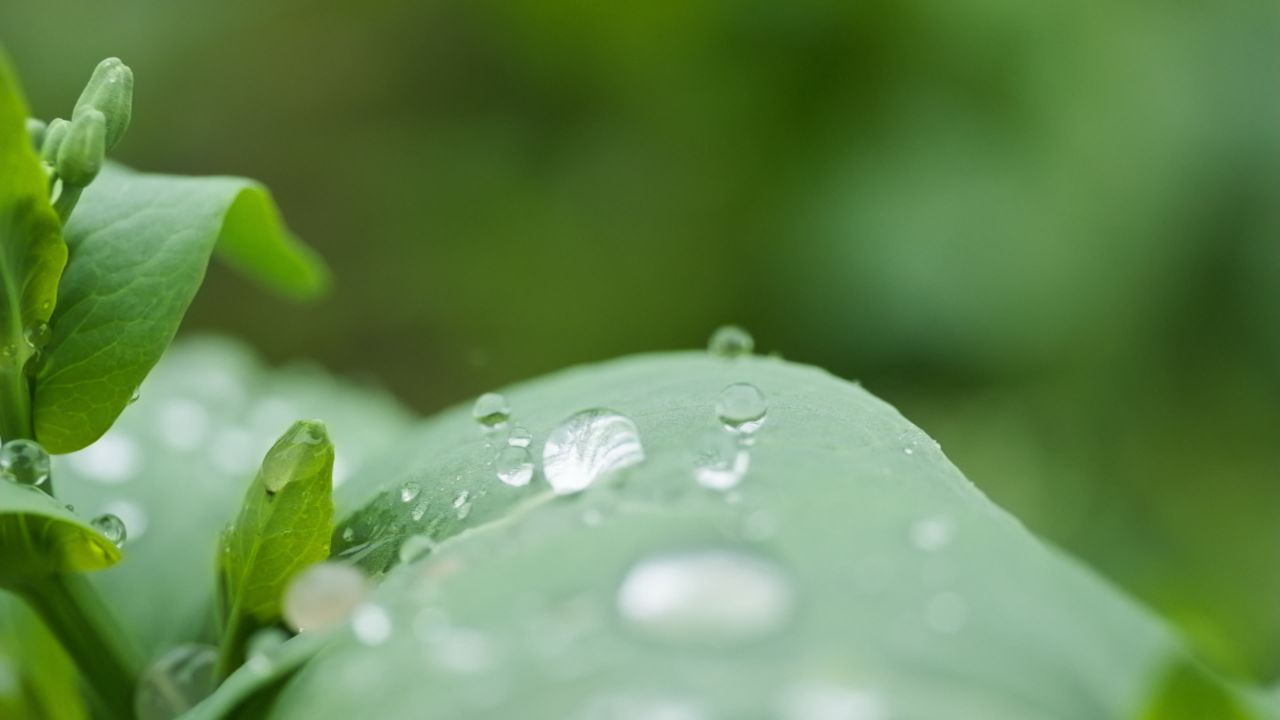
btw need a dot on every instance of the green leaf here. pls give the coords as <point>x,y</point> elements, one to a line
<point>283,527</point>
<point>38,537</point>
<point>1187,692</point>
<point>139,247</point>
<point>909,591</point>
<point>37,679</point>
<point>32,255</point>
<point>176,464</point>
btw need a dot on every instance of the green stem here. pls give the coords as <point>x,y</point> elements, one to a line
<point>74,612</point>
<point>15,400</point>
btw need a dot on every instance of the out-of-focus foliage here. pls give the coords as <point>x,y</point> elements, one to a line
<point>1047,232</point>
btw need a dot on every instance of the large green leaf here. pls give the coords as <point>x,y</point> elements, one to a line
<point>37,679</point>
<point>912,596</point>
<point>139,246</point>
<point>284,525</point>
<point>32,254</point>
<point>176,464</point>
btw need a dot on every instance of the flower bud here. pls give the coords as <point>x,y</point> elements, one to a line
<point>35,131</point>
<point>54,134</point>
<point>110,92</point>
<point>80,156</point>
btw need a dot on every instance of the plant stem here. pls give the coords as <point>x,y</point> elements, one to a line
<point>15,400</point>
<point>73,611</point>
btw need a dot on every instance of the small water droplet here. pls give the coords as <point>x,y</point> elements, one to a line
<point>410,491</point>
<point>323,596</point>
<point>742,408</point>
<point>730,341</point>
<point>38,335</point>
<point>908,451</point>
<point>716,597</point>
<point>348,534</point>
<point>371,624</point>
<point>131,514</point>
<point>111,527</point>
<point>947,612</point>
<point>825,701</point>
<point>176,682</point>
<point>519,437</point>
<point>720,463</point>
<point>462,504</point>
<point>419,510</point>
<point>491,411</point>
<point>515,465</point>
<point>588,446</point>
<point>416,547</point>
<point>24,462</point>
<point>931,534</point>
<point>133,397</point>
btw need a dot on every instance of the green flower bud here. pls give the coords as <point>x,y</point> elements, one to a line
<point>82,151</point>
<point>35,130</point>
<point>110,92</point>
<point>54,134</point>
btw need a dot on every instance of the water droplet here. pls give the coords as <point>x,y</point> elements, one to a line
<point>38,335</point>
<point>416,547</point>
<point>176,682</point>
<point>519,437</point>
<point>716,597</point>
<point>261,646</point>
<point>515,465</point>
<point>720,463</point>
<point>932,533</point>
<point>323,596</point>
<point>348,534</point>
<point>131,514</point>
<point>371,624</point>
<point>113,459</point>
<point>908,451</point>
<point>742,408</point>
<point>825,701</point>
<point>419,510</point>
<point>587,447</point>
<point>462,504</point>
<point>111,527</point>
<point>491,411</point>
<point>410,491</point>
<point>24,462</point>
<point>730,341</point>
<point>947,612</point>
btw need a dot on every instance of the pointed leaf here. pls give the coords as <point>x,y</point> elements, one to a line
<point>140,244</point>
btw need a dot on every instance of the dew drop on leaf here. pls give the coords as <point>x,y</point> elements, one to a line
<point>323,596</point>
<point>111,527</point>
<point>706,597</point>
<point>24,462</point>
<point>742,408</point>
<point>410,491</point>
<point>38,335</point>
<point>371,624</point>
<point>730,341</point>
<point>462,504</point>
<point>491,411</point>
<point>519,436</point>
<point>348,534</point>
<point>176,682</point>
<point>515,465</point>
<point>588,446</point>
<point>419,510</point>
<point>720,463</point>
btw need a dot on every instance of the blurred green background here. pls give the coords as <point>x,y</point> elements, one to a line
<point>1049,232</point>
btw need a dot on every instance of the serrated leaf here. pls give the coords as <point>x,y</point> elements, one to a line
<point>32,254</point>
<point>38,536</point>
<point>37,679</point>
<point>139,247</point>
<point>284,526</point>
<point>913,594</point>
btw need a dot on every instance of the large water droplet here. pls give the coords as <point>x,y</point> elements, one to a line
<point>24,462</point>
<point>491,411</point>
<point>720,463</point>
<point>824,701</point>
<point>587,447</point>
<point>371,624</point>
<point>323,596</point>
<point>730,341</point>
<point>111,527</point>
<point>515,465</point>
<point>715,597</point>
<point>742,408</point>
<point>410,491</point>
<point>176,682</point>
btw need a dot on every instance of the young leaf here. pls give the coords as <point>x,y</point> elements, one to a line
<point>37,679</point>
<point>32,255</point>
<point>38,537</point>
<point>139,247</point>
<point>284,526</point>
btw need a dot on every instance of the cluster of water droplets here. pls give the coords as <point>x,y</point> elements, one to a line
<point>512,459</point>
<point>723,458</point>
<point>26,462</point>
